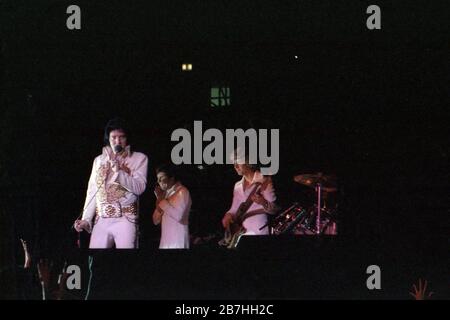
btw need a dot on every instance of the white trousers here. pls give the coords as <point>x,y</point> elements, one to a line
<point>108,232</point>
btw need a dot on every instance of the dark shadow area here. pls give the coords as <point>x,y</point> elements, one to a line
<point>370,108</point>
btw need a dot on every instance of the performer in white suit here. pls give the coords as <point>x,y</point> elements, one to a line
<point>119,176</point>
<point>173,203</point>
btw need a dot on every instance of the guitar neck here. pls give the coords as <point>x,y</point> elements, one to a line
<point>246,205</point>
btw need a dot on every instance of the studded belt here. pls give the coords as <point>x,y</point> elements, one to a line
<point>109,210</point>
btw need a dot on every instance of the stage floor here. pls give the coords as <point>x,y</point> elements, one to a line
<point>282,267</point>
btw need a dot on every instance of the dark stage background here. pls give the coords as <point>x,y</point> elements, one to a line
<point>368,106</point>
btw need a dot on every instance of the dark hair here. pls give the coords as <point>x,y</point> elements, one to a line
<point>253,167</point>
<point>116,124</point>
<point>169,170</point>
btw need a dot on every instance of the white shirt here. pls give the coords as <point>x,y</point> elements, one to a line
<point>119,187</point>
<point>175,220</point>
<point>252,224</point>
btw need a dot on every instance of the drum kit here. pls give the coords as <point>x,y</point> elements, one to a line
<point>313,219</point>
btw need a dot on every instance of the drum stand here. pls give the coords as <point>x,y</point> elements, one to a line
<point>321,226</point>
<point>319,206</point>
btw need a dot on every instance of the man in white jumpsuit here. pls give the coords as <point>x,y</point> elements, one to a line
<point>173,203</point>
<point>119,176</point>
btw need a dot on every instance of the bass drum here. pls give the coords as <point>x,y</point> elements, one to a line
<point>308,226</point>
<point>287,221</point>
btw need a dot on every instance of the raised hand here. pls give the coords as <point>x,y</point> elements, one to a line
<point>159,193</point>
<point>420,292</point>
<point>258,198</point>
<point>125,168</point>
<point>27,262</point>
<point>44,272</point>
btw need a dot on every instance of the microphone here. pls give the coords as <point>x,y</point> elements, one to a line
<point>118,148</point>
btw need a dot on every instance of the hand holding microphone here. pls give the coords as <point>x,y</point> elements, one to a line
<point>114,162</point>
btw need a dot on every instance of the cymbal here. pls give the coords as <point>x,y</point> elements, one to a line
<point>328,183</point>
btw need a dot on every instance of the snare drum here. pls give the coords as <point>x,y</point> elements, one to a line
<point>287,220</point>
<point>308,226</point>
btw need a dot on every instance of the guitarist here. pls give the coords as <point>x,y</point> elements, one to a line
<point>263,200</point>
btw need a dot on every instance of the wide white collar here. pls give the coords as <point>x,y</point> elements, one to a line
<point>108,152</point>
